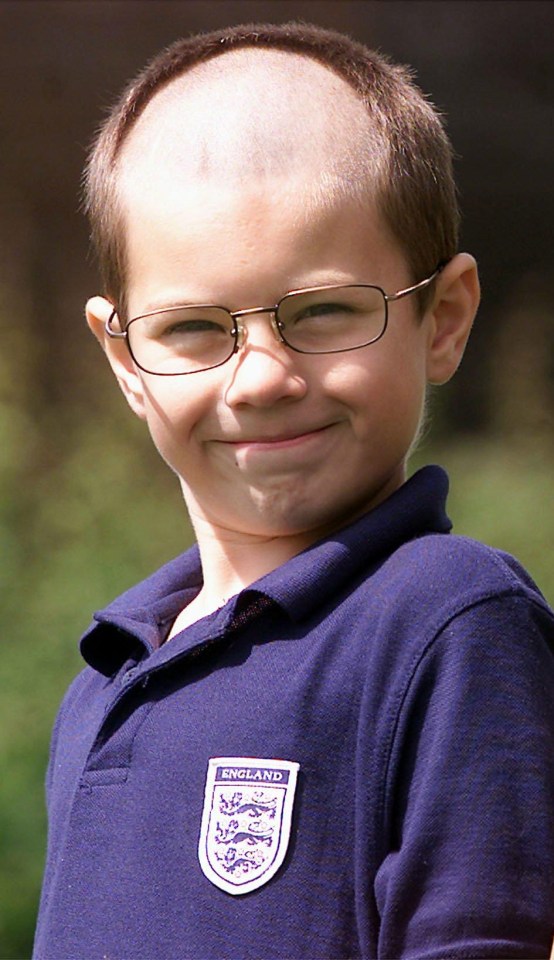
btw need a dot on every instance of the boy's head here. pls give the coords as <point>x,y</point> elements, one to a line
<point>293,159</point>
<point>397,152</point>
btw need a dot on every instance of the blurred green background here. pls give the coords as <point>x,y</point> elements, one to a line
<point>86,508</point>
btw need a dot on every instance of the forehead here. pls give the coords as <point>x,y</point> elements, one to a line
<point>251,115</point>
<point>249,166</point>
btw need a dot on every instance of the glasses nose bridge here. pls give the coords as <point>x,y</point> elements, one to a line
<point>242,330</point>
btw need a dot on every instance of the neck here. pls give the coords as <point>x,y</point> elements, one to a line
<point>230,563</point>
<point>233,559</point>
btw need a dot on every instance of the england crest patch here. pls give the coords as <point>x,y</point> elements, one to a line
<point>246,821</point>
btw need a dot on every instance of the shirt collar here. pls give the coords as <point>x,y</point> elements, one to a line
<point>132,625</point>
<point>416,508</point>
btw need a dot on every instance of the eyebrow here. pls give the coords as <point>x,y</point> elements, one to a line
<point>187,302</point>
<point>174,305</point>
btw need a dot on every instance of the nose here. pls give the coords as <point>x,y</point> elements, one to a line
<point>265,371</point>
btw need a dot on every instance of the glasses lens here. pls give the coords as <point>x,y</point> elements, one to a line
<point>182,339</point>
<point>332,319</point>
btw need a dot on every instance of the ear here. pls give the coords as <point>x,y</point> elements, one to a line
<point>98,312</point>
<point>451,313</point>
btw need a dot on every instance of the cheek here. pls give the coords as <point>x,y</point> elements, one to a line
<point>172,413</point>
<point>382,389</point>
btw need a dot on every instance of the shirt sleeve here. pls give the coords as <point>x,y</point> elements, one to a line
<point>470,868</point>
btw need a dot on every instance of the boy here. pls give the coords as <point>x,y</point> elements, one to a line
<point>326,731</point>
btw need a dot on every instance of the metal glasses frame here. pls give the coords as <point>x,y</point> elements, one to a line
<point>238,329</point>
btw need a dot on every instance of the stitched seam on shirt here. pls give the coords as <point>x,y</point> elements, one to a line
<point>515,591</point>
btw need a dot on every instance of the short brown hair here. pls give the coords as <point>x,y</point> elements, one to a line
<point>415,189</point>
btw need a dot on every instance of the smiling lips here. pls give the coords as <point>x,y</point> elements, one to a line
<point>279,441</point>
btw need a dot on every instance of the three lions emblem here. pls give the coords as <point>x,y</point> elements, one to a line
<point>246,821</point>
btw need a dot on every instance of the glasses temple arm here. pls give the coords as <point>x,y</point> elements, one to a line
<point>416,286</point>
<point>114,334</point>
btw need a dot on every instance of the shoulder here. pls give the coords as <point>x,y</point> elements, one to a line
<point>457,571</point>
<point>468,735</point>
<point>472,650</point>
<point>77,698</point>
<point>75,704</point>
<point>477,655</point>
<point>445,599</point>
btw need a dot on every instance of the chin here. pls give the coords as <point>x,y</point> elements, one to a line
<point>287,517</point>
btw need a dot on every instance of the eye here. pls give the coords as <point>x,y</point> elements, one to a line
<point>323,309</point>
<point>186,325</point>
<point>189,328</point>
<point>324,312</point>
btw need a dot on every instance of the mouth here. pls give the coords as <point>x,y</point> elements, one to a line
<point>279,441</point>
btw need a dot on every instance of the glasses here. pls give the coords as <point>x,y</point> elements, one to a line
<point>191,339</point>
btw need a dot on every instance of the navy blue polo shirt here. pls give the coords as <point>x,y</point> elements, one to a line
<point>379,716</point>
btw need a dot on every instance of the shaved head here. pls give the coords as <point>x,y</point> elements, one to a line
<point>254,115</point>
<point>307,108</point>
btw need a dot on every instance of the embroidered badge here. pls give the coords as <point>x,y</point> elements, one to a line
<point>246,821</point>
